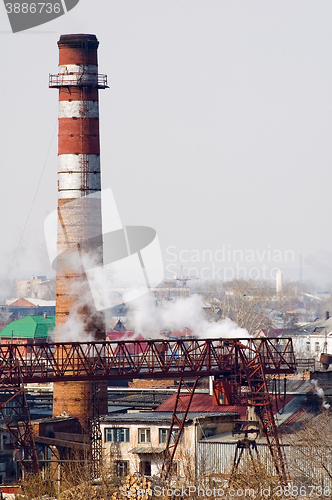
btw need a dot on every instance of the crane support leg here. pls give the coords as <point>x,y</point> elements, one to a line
<point>15,413</point>
<point>259,397</point>
<point>183,401</point>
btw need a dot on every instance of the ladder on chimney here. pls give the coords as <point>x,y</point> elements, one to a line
<point>95,434</point>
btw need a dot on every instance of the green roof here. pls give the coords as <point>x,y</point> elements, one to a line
<point>29,327</point>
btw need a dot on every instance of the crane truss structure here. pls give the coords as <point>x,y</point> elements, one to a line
<point>14,412</point>
<point>242,363</point>
<point>142,359</point>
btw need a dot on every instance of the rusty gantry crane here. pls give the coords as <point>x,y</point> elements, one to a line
<point>239,366</point>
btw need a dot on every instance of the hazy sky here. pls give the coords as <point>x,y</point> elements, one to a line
<point>216,130</point>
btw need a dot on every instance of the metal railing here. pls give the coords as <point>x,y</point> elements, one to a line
<point>78,80</point>
<point>306,363</point>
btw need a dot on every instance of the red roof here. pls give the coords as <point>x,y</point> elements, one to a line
<point>203,403</point>
<point>200,402</point>
<point>129,335</point>
<point>300,415</point>
<point>22,303</point>
<point>181,333</point>
<point>117,336</point>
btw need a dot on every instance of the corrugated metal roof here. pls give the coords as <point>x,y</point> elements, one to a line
<point>154,417</point>
<point>200,402</point>
<point>203,403</point>
<point>300,416</point>
<point>297,386</point>
<point>288,409</point>
<point>29,327</point>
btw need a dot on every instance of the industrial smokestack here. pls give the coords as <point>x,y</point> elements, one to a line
<point>79,208</point>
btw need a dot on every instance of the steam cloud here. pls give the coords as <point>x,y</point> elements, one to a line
<point>149,320</point>
<point>144,316</point>
<point>83,318</point>
<point>320,393</point>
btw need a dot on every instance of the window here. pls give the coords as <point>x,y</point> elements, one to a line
<point>145,468</point>
<point>209,431</point>
<point>144,436</point>
<point>117,435</point>
<point>163,435</point>
<point>121,468</point>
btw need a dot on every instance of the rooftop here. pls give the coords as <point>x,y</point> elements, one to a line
<point>155,417</point>
<point>29,327</point>
<point>29,302</point>
<point>202,403</point>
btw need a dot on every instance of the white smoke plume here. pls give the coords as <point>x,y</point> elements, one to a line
<point>73,330</point>
<point>320,393</point>
<point>146,318</point>
<point>76,328</point>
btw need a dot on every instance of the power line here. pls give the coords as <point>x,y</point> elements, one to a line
<point>32,204</point>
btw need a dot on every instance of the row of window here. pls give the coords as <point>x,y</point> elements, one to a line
<point>121,468</point>
<point>122,435</point>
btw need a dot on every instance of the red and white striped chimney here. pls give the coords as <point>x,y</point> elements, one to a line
<point>79,207</point>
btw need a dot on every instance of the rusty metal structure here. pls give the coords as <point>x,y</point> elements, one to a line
<point>184,398</point>
<point>15,413</point>
<point>240,367</point>
<point>76,361</point>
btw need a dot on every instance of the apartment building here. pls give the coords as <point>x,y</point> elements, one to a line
<point>135,441</point>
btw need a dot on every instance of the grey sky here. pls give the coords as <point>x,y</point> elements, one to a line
<point>216,130</point>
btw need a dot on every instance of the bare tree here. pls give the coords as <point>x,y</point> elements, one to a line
<point>311,451</point>
<point>252,304</point>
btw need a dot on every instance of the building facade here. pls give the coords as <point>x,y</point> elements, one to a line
<point>135,442</point>
<point>37,287</point>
